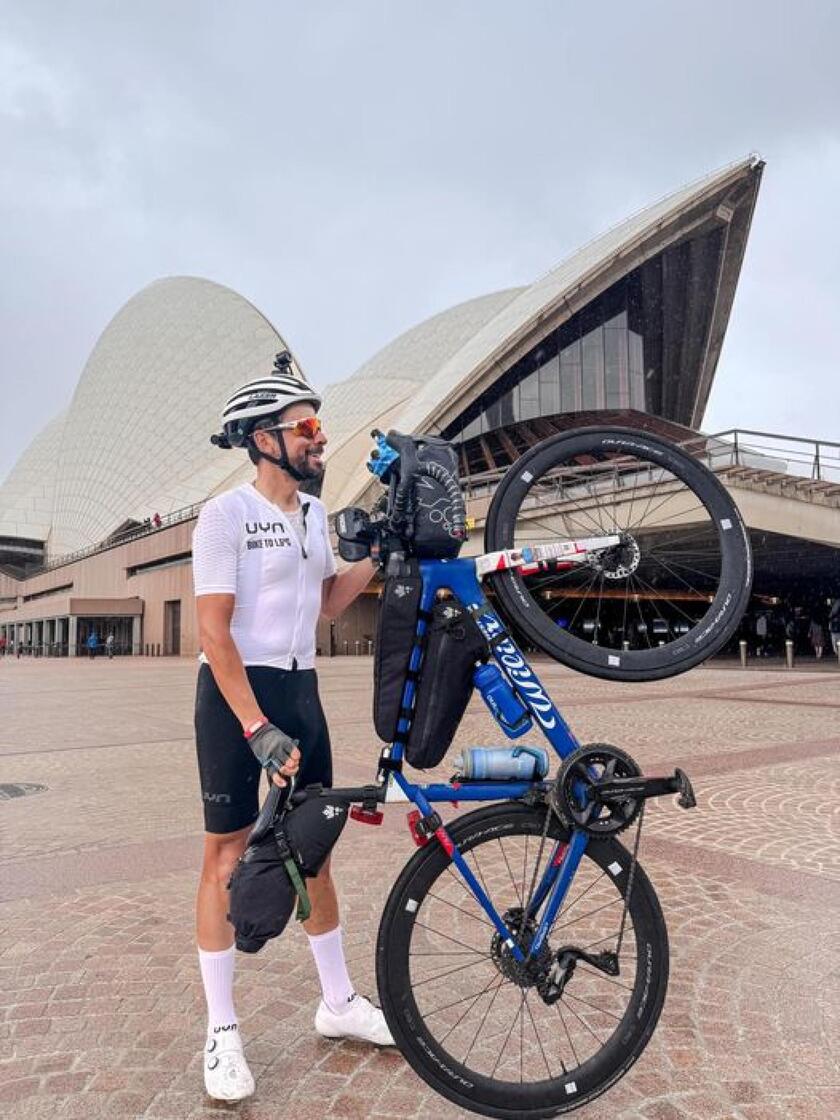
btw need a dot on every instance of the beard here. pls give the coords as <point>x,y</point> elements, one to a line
<point>308,464</point>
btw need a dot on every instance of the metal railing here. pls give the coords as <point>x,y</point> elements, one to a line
<point>165,521</point>
<point>815,459</point>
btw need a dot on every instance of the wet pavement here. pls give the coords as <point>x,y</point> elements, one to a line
<point>102,1009</point>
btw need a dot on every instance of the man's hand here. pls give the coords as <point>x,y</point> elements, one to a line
<point>276,752</point>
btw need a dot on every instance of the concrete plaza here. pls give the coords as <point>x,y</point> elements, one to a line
<point>102,1010</point>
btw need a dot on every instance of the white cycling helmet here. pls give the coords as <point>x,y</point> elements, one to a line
<point>265,396</point>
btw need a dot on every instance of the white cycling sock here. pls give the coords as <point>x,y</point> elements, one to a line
<point>217,975</point>
<point>328,951</point>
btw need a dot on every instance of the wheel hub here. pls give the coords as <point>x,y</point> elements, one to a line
<point>530,972</point>
<point>621,561</point>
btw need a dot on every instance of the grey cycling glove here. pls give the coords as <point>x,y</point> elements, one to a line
<point>272,747</point>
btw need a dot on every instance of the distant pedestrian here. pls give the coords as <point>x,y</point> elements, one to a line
<point>761,635</point>
<point>816,636</point>
<point>109,646</point>
<point>3,644</point>
<point>92,644</point>
<point>834,625</point>
<point>156,521</point>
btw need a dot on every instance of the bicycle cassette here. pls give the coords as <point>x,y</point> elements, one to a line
<point>578,798</point>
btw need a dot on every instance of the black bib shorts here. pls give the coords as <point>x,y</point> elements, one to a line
<point>228,770</point>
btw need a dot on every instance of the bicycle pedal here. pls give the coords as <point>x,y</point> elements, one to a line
<point>686,799</point>
<point>366,816</point>
<point>422,828</point>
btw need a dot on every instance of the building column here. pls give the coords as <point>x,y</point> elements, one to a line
<point>71,636</point>
<point>136,634</point>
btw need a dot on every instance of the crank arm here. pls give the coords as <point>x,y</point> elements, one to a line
<point>640,789</point>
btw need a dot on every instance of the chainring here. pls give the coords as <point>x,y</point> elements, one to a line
<point>573,796</point>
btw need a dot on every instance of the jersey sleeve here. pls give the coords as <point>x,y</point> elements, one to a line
<point>215,552</point>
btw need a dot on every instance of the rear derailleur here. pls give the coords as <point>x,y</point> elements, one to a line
<point>552,983</point>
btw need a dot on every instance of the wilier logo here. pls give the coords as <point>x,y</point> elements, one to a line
<point>333,811</point>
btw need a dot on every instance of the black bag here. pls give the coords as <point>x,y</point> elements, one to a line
<point>453,645</point>
<point>284,848</point>
<point>395,634</point>
<point>437,510</point>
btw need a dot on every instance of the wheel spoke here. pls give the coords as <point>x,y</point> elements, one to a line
<point>473,1006</point>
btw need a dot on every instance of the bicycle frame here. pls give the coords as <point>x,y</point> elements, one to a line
<point>460,577</point>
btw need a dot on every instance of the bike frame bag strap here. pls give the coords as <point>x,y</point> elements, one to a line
<point>269,877</point>
<point>453,646</point>
<point>396,631</point>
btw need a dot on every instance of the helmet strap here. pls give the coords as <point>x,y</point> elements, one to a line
<point>281,460</point>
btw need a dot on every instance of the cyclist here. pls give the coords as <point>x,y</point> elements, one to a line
<point>264,572</point>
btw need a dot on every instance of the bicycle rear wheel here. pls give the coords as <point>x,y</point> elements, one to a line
<point>664,599</point>
<point>467,1021</point>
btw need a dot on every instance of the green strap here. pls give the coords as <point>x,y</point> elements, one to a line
<point>304,907</point>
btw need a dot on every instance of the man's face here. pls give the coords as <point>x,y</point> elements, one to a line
<point>305,455</point>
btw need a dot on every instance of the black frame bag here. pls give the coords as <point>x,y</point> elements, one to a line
<point>454,644</point>
<point>285,847</point>
<point>396,632</point>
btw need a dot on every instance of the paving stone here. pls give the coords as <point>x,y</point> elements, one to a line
<point>103,1003</point>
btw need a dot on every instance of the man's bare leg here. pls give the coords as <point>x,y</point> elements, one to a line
<point>226,1073</point>
<point>342,1013</point>
<point>221,853</point>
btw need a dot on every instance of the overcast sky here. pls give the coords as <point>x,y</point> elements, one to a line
<point>354,167</point>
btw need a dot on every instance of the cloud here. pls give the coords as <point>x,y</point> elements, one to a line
<point>354,168</point>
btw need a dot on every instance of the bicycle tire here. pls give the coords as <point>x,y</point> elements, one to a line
<point>402,922</point>
<point>724,593</point>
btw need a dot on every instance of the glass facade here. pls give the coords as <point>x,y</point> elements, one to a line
<point>605,357</point>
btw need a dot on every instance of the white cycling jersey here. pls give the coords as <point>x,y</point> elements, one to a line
<point>246,546</point>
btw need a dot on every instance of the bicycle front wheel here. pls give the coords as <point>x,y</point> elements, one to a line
<point>473,1023</point>
<point>666,596</point>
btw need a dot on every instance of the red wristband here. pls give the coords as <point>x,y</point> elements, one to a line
<point>254,727</point>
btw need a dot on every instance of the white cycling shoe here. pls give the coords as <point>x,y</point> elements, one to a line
<point>361,1021</point>
<point>226,1073</point>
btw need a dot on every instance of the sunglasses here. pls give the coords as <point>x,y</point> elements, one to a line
<point>308,427</point>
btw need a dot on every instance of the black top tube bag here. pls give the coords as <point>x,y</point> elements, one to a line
<point>453,645</point>
<point>396,627</point>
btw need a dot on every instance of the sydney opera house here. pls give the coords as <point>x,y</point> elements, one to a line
<point>96,516</point>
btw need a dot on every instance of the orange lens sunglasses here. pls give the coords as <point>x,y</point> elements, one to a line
<point>307,426</point>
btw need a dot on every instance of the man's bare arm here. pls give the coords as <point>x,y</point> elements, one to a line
<point>340,590</point>
<point>214,615</point>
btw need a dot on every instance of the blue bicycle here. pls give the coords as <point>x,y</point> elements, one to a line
<point>522,956</point>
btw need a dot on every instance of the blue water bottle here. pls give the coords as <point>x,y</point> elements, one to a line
<point>511,714</point>
<point>502,764</point>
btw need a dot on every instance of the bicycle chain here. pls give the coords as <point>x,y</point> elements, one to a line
<point>552,807</point>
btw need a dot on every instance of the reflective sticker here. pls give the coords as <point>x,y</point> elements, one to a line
<point>614,868</point>
<point>570,1087</point>
<point>509,943</point>
<point>725,523</point>
<point>613,660</point>
<point>526,476</point>
<point>411,905</point>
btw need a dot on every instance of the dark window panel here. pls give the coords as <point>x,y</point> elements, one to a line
<point>592,368</point>
<point>549,378</point>
<point>615,367</point>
